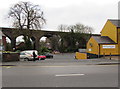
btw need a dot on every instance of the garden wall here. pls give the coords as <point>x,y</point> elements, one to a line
<point>8,57</point>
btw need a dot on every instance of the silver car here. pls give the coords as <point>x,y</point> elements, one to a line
<point>27,55</point>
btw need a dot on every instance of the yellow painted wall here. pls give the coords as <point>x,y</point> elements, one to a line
<point>108,51</point>
<point>81,55</point>
<point>110,30</point>
<point>95,47</point>
<point>119,41</point>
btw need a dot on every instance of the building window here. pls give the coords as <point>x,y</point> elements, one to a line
<point>91,45</point>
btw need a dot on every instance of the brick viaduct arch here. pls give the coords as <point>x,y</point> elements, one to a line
<point>13,33</point>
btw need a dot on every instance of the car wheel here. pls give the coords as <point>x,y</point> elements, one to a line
<point>42,58</point>
<point>26,59</point>
<point>51,56</point>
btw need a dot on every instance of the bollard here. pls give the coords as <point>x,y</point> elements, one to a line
<point>98,55</point>
<point>110,56</point>
<point>104,55</point>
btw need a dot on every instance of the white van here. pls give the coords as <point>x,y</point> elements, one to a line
<point>27,55</point>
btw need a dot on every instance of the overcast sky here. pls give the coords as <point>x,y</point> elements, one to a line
<point>93,13</point>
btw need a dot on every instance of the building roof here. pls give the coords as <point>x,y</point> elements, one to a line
<point>115,22</point>
<point>103,40</point>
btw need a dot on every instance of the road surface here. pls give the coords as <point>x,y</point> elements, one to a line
<point>62,71</point>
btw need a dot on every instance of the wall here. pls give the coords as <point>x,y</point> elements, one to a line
<point>110,30</point>
<point>95,47</point>
<point>108,51</point>
<point>8,57</point>
<point>79,55</point>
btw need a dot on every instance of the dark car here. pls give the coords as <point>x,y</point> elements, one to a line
<point>49,55</point>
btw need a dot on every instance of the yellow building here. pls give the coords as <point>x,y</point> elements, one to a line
<point>108,43</point>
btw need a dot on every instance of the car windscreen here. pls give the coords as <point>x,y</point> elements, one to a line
<point>22,53</point>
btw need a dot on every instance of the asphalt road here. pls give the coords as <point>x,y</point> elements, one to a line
<point>62,71</point>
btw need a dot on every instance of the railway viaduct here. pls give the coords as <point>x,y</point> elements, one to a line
<point>35,35</point>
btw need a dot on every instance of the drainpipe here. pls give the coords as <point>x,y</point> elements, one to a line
<point>99,50</point>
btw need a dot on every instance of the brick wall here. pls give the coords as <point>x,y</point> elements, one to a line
<point>8,57</point>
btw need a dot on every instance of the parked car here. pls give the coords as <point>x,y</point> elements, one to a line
<point>56,52</point>
<point>27,55</point>
<point>49,55</point>
<point>41,57</point>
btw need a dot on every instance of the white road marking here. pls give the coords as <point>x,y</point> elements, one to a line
<point>8,67</point>
<point>62,75</point>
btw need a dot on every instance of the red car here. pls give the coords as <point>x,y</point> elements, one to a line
<point>41,57</point>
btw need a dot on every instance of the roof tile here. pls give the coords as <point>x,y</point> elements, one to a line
<point>103,40</point>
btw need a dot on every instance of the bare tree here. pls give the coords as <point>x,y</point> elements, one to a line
<point>80,28</point>
<point>89,30</point>
<point>77,28</point>
<point>63,28</point>
<point>27,16</point>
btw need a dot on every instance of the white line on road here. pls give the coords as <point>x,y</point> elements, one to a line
<point>62,75</point>
<point>8,67</point>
